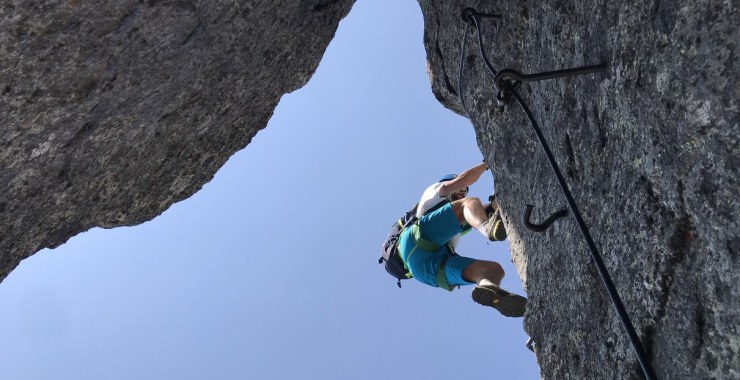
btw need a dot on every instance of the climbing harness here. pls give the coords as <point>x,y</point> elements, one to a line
<point>391,257</point>
<point>429,247</point>
<point>507,82</point>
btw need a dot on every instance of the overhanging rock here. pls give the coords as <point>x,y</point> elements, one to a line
<point>113,110</point>
<point>649,150</point>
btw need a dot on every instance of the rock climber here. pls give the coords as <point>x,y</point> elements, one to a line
<point>427,247</point>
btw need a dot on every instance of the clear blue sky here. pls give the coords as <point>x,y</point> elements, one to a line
<point>270,271</point>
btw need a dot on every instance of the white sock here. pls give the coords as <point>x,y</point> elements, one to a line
<point>485,282</point>
<point>483,227</point>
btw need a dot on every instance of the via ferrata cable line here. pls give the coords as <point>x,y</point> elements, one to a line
<point>507,81</point>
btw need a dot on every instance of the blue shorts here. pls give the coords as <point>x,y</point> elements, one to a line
<point>438,227</point>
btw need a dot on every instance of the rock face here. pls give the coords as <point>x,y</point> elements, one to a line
<point>113,110</point>
<point>649,150</point>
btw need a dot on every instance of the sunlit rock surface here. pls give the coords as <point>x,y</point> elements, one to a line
<point>650,152</point>
<point>113,110</point>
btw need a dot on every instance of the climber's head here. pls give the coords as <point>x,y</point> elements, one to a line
<point>460,194</point>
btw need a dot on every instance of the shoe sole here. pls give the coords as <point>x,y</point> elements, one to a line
<point>509,305</point>
<point>499,232</point>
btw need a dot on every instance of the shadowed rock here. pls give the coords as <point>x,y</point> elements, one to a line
<point>113,110</point>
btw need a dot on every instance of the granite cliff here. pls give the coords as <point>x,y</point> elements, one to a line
<point>113,110</point>
<point>649,149</point>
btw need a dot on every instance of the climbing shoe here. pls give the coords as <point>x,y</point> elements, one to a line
<point>508,304</point>
<point>496,230</point>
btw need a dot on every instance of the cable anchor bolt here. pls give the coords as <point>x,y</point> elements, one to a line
<point>510,79</point>
<point>469,14</point>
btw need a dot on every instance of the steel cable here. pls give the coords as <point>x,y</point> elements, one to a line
<point>470,16</point>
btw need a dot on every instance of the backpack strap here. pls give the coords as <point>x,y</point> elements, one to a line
<point>415,233</point>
